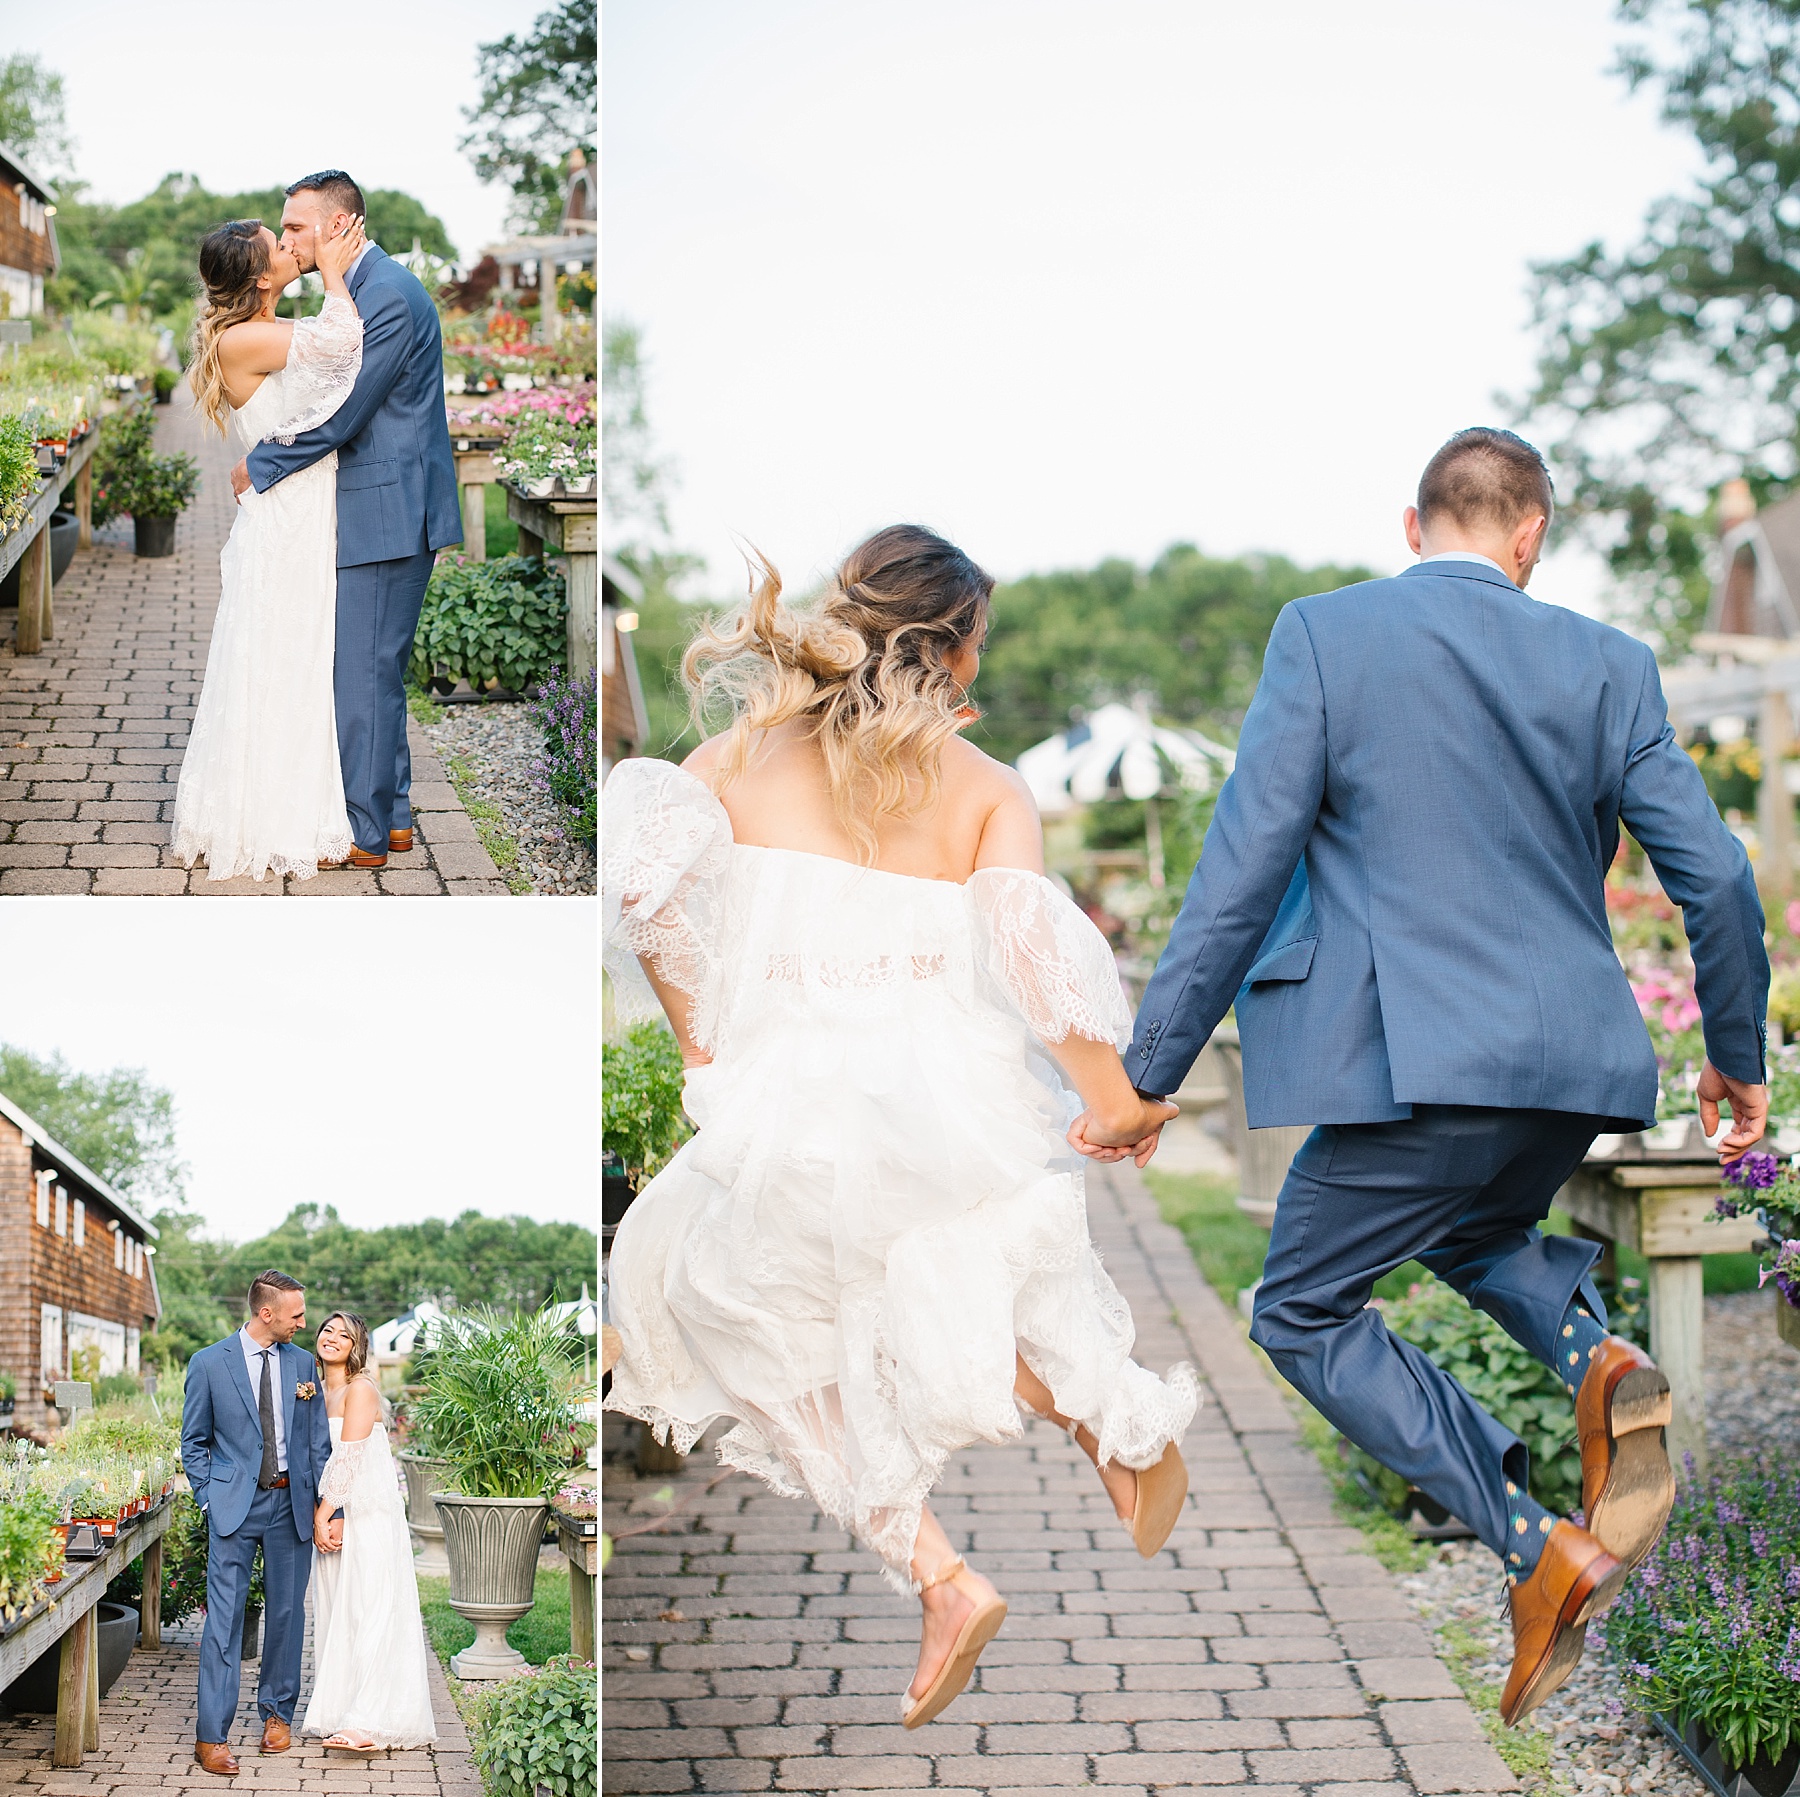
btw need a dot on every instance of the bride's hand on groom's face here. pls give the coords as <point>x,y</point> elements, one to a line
<point>335,254</point>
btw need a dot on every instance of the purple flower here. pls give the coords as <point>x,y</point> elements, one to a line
<point>1789,1663</point>
<point>1754,1172</point>
<point>1791,1582</point>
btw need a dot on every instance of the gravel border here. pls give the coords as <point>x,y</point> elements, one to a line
<point>488,751</point>
<point>1584,1741</point>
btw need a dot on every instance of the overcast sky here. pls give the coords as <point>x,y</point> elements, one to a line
<point>407,1059</point>
<point>1068,280</point>
<point>255,96</point>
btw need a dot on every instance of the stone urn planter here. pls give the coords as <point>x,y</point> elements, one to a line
<point>424,1475</point>
<point>492,1546</point>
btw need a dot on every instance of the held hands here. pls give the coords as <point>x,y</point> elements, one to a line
<point>335,254</point>
<point>240,480</point>
<point>1133,1132</point>
<point>1749,1111</point>
<point>328,1530</point>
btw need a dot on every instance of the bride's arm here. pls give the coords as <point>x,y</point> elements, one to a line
<point>362,1411</point>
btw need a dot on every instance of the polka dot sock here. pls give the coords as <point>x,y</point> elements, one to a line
<point>1578,1337</point>
<point>1528,1526</point>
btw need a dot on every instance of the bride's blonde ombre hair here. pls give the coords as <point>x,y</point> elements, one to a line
<point>232,260</point>
<point>864,668</point>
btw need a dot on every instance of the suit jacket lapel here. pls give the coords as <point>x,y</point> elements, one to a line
<point>361,272</point>
<point>240,1377</point>
<point>287,1370</point>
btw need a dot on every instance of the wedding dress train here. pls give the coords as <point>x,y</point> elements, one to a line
<point>369,1673</point>
<point>879,1208</point>
<point>261,791</point>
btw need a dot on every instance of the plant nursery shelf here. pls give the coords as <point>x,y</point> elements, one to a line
<point>29,544</point>
<point>69,1618</point>
<point>572,528</point>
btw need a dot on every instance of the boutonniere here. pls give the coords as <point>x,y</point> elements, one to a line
<point>306,1389</point>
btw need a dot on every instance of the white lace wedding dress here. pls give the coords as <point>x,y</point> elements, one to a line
<point>879,1205</point>
<point>261,791</point>
<point>369,1676</point>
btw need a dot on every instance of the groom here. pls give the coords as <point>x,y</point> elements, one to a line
<point>254,1442</point>
<point>396,507</point>
<point>1403,892</point>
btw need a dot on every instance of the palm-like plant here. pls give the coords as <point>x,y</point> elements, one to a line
<point>502,1401</point>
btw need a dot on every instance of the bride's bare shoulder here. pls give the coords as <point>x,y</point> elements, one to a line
<point>362,1398</point>
<point>970,770</point>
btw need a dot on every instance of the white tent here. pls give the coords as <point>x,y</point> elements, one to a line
<point>1119,751</point>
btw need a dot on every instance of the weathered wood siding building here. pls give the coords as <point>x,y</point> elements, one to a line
<point>77,1266</point>
<point>28,249</point>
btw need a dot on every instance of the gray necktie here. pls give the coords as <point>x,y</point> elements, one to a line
<point>265,1409</point>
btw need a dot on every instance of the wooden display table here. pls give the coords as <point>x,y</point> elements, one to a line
<point>1662,1206</point>
<point>580,1543</point>
<point>572,528</point>
<point>475,473</point>
<point>68,1616</point>
<point>28,547</point>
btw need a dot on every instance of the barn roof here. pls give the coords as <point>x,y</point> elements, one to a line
<point>76,1169</point>
<point>12,160</point>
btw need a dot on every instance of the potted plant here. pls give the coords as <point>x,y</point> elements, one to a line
<point>1761,1184</point>
<point>426,1471</point>
<point>502,1406</point>
<point>167,380</point>
<point>157,490</point>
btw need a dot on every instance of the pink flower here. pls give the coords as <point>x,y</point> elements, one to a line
<point>1680,1015</point>
<point>1793,916</point>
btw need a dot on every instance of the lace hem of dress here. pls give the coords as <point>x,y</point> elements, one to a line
<point>190,846</point>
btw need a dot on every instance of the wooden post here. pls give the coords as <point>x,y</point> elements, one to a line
<point>150,1604</point>
<point>84,503</point>
<point>1774,803</point>
<point>581,1609</point>
<point>71,1694</point>
<point>1677,1315</point>
<point>1607,1266</point>
<point>530,543</point>
<point>33,566</point>
<point>474,510</point>
<point>582,627</point>
<point>90,1709</point>
<point>47,589</point>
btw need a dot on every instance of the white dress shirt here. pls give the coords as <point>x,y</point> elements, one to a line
<point>1466,555</point>
<point>253,1353</point>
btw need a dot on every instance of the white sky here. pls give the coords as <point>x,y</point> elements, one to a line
<point>399,1058</point>
<point>255,96</point>
<point>1067,280</point>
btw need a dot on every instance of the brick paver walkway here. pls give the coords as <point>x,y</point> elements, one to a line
<point>749,1646</point>
<point>92,729</point>
<point>147,1742</point>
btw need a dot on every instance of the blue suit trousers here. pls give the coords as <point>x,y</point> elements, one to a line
<point>287,1565</point>
<point>1462,1189</point>
<point>377,616</point>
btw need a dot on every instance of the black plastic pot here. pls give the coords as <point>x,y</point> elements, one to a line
<point>1761,1778</point>
<point>617,1189</point>
<point>155,536</point>
<point>34,1690</point>
<point>6,1410</point>
<point>65,536</point>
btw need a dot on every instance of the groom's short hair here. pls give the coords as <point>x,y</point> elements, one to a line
<point>335,188</point>
<point>265,1285</point>
<point>1485,476</point>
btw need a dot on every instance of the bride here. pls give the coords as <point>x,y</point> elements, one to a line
<point>260,790</point>
<point>875,1249</point>
<point>370,1687</point>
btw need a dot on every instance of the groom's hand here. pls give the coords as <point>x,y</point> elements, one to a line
<point>1115,1138</point>
<point>1749,1110</point>
<point>240,478</point>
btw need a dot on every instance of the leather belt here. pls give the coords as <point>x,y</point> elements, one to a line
<point>278,1483</point>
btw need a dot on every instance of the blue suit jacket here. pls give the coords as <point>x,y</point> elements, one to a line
<point>396,476</point>
<point>221,1433</point>
<point>1405,874</point>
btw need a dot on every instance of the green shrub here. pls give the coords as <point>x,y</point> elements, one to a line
<point>18,470</point>
<point>542,1729</point>
<point>129,477</point>
<point>1705,1633</point>
<point>640,1098</point>
<point>184,1567</point>
<point>28,1550</point>
<point>117,1388</point>
<point>1518,1390</point>
<point>487,622</point>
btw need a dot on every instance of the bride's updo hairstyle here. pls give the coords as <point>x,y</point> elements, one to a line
<point>358,1331</point>
<point>232,259</point>
<point>864,667</point>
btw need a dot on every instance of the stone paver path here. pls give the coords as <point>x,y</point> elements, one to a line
<point>147,1742</point>
<point>92,729</point>
<point>749,1646</point>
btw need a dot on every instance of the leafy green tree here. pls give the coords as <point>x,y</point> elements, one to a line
<point>1674,364</point>
<point>31,116</point>
<point>118,1123</point>
<point>536,105</point>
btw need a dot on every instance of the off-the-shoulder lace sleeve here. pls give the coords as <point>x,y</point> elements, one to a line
<point>339,1478</point>
<point>665,852</point>
<point>323,361</point>
<point>1047,957</point>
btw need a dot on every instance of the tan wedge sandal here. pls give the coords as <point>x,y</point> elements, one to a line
<point>1161,1492</point>
<point>978,1629</point>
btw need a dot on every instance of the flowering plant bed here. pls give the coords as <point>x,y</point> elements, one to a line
<point>498,416</point>
<point>1705,1636</point>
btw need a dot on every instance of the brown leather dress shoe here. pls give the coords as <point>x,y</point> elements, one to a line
<point>358,858</point>
<point>277,1736</point>
<point>215,1757</point>
<point>1574,1577</point>
<point>1627,1484</point>
<point>400,842</point>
